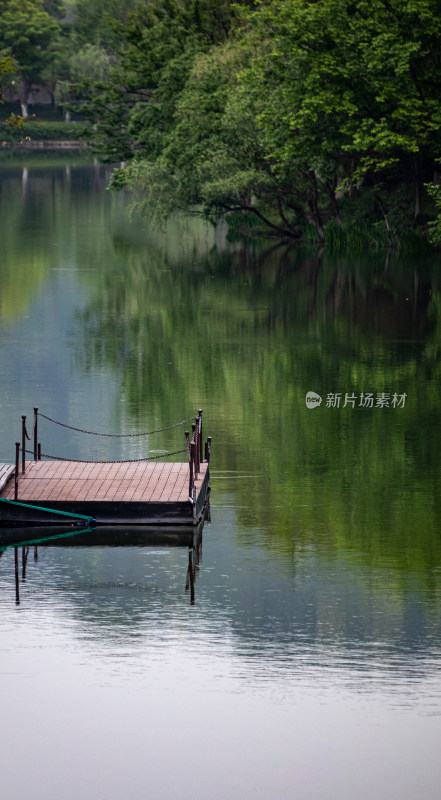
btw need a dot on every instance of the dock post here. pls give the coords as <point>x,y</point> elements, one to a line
<point>201,458</point>
<point>194,433</point>
<point>190,487</point>
<point>24,561</point>
<point>194,503</point>
<point>208,449</point>
<point>23,444</point>
<point>17,582</point>
<point>17,464</point>
<point>35,434</point>
<point>187,442</point>
<point>191,574</point>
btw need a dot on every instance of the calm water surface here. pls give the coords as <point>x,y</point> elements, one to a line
<point>309,664</point>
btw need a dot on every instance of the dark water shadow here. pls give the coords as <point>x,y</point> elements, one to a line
<point>22,539</point>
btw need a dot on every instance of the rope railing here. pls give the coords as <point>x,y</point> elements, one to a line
<point>30,435</point>
<point>114,435</point>
<point>114,461</point>
<point>193,447</point>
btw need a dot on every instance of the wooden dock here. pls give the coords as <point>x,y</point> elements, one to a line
<point>125,493</point>
<point>141,492</point>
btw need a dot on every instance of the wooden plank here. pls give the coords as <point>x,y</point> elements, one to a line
<point>6,470</point>
<point>63,481</point>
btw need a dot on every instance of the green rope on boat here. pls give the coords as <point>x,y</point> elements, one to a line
<point>49,510</point>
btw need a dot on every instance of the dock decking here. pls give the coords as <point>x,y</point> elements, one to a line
<point>6,470</point>
<point>111,481</point>
<point>136,493</point>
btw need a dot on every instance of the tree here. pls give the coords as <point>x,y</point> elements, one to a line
<point>211,157</point>
<point>90,63</point>
<point>133,109</point>
<point>170,109</point>
<point>93,22</point>
<point>29,34</point>
<point>346,93</point>
<point>292,112</point>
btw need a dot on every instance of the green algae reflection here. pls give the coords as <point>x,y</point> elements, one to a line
<point>245,333</point>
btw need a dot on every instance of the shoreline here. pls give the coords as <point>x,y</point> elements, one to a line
<point>45,144</point>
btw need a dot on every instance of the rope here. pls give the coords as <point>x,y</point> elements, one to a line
<point>30,436</point>
<point>121,461</point>
<point>49,510</point>
<point>114,435</point>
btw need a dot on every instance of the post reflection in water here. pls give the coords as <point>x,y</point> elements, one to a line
<point>105,537</point>
<point>24,560</point>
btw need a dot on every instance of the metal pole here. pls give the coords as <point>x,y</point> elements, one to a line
<point>190,487</point>
<point>198,461</point>
<point>194,441</point>
<point>23,443</point>
<point>201,458</point>
<point>17,464</point>
<point>35,434</point>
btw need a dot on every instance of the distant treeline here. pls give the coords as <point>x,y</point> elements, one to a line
<point>316,121</point>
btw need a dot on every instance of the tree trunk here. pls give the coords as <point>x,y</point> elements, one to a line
<point>382,208</point>
<point>285,220</point>
<point>24,100</point>
<point>335,207</point>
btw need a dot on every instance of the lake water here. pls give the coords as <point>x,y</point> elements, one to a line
<point>309,664</point>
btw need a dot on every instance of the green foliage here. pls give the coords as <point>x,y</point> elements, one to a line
<point>348,93</point>
<point>94,21</point>
<point>209,154</point>
<point>7,67</point>
<point>29,33</point>
<point>289,111</point>
<point>348,78</point>
<point>45,131</point>
<point>91,62</point>
<point>434,226</point>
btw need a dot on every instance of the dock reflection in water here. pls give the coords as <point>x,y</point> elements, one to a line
<point>23,540</point>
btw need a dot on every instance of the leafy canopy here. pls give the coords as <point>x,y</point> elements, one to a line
<point>293,111</point>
